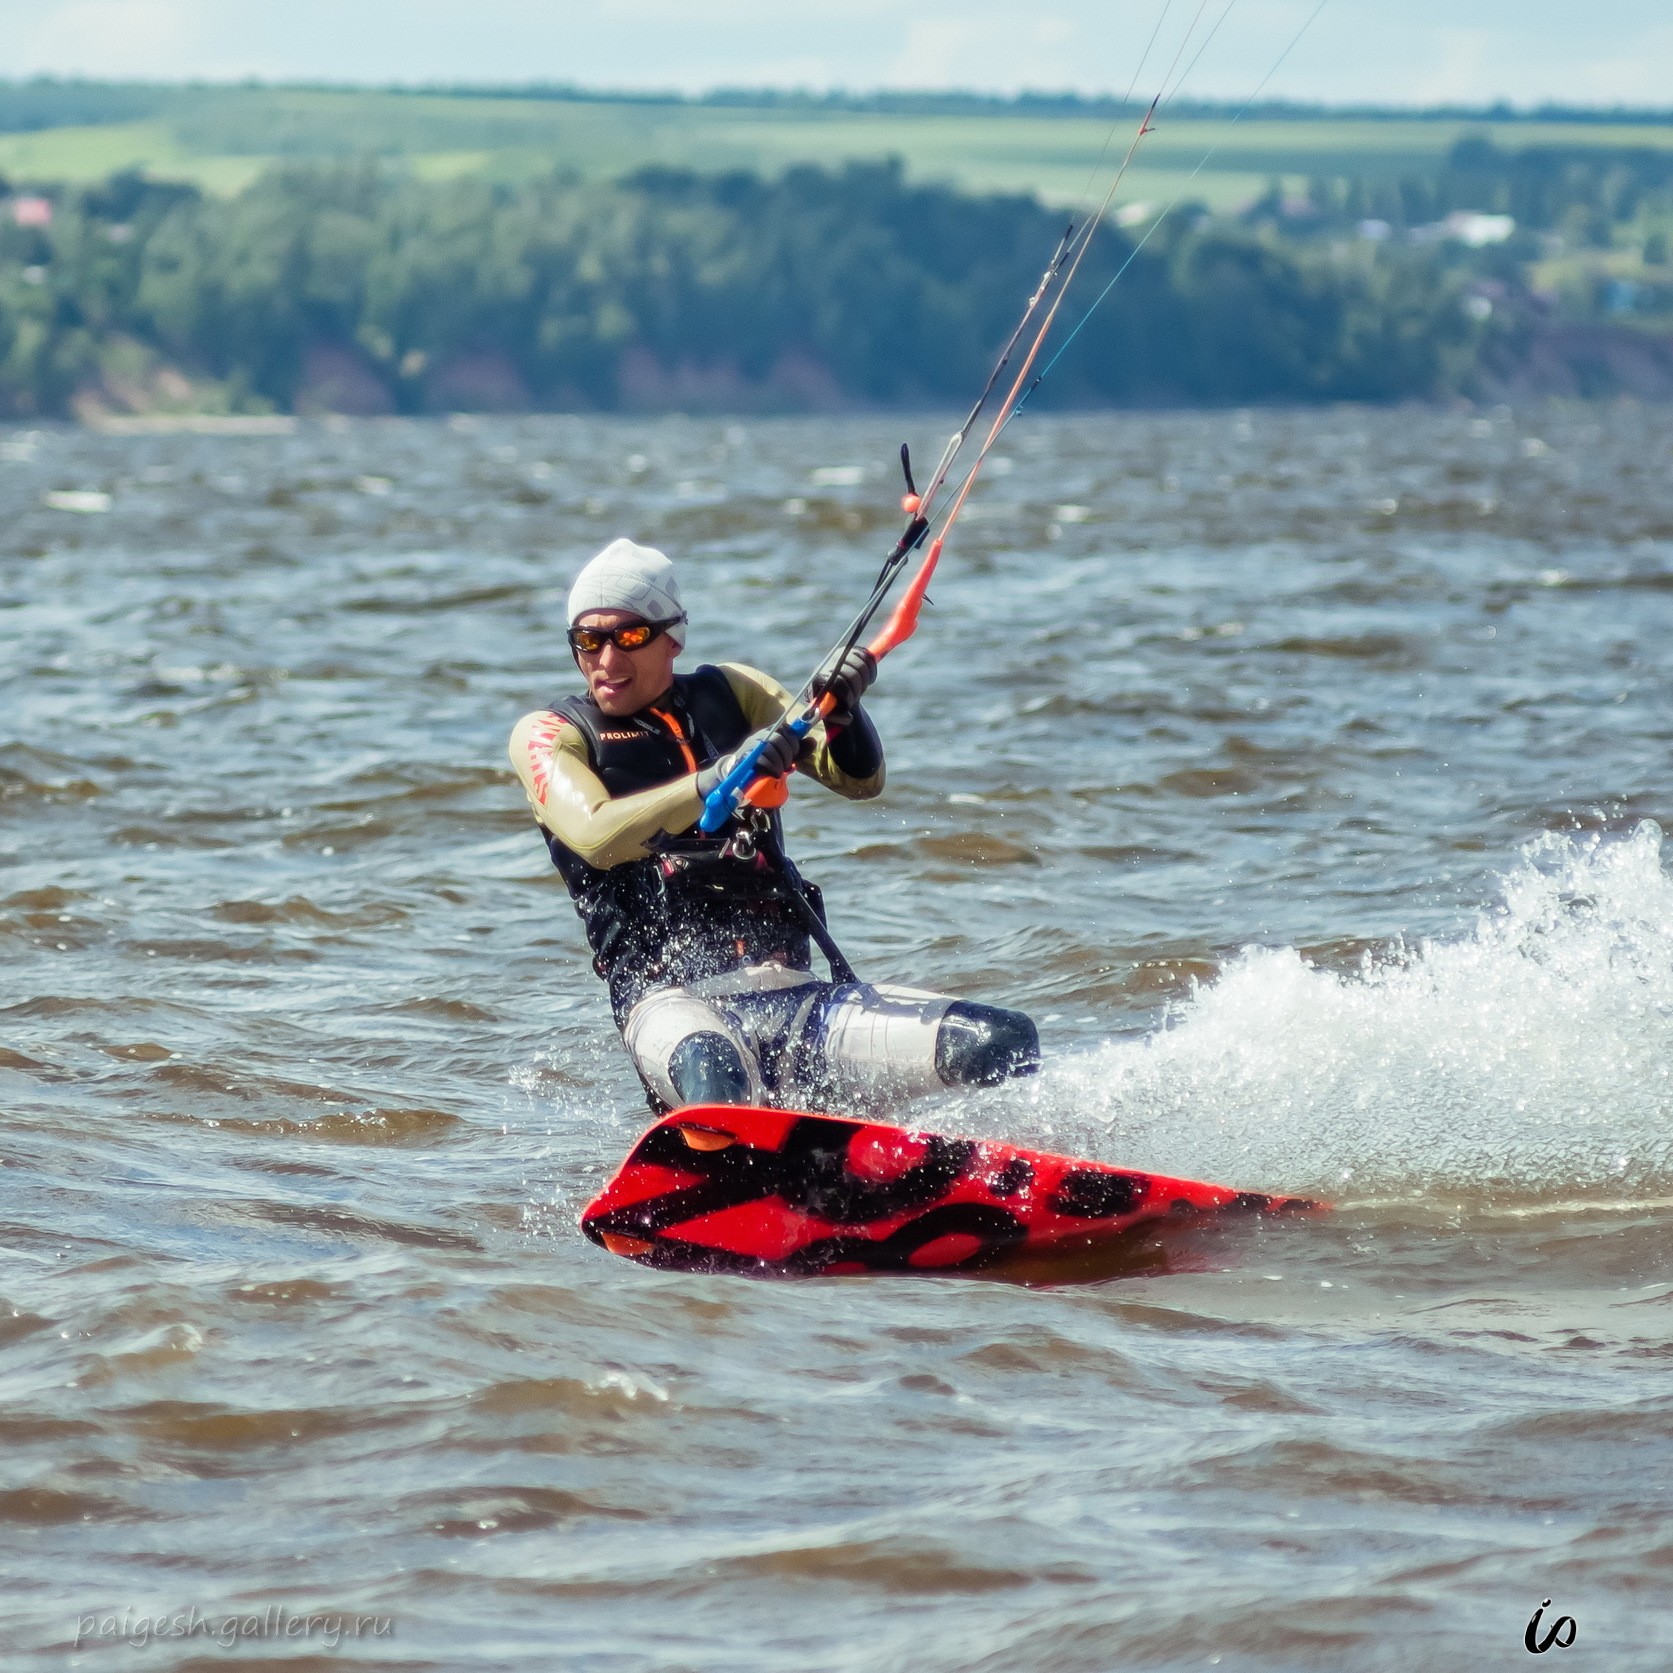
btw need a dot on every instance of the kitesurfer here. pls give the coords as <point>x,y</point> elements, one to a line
<point>706,942</point>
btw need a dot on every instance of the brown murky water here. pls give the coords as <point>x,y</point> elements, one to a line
<point>1291,768</point>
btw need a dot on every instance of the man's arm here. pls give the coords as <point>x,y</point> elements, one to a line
<point>570,800</point>
<point>851,764</point>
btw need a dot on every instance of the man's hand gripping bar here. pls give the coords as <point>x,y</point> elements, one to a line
<point>741,783</point>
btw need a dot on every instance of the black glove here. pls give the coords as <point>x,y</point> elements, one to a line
<point>847,677</point>
<point>776,759</point>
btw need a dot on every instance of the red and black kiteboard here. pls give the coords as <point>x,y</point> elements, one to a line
<point>780,1194</point>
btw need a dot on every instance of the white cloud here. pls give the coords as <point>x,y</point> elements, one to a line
<point>934,49</point>
<point>1004,52</point>
<point>115,38</point>
<point>1643,76</point>
<point>1457,75</point>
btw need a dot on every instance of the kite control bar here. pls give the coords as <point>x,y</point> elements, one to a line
<point>738,785</point>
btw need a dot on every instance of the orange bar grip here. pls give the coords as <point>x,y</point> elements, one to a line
<point>768,792</point>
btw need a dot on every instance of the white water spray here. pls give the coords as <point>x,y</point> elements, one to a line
<point>1531,1058</point>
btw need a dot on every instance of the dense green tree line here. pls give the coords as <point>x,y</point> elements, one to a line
<point>673,289</point>
<point>1546,186</point>
<point>50,102</point>
<point>1579,189</point>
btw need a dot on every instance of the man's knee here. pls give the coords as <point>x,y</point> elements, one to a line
<point>687,1052</point>
<point>708,1068</point>
<point>981,1045</point>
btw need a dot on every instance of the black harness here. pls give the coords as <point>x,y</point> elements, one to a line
<point>698,906</point>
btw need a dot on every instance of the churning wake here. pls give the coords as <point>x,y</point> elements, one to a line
<point>1532,1057</point>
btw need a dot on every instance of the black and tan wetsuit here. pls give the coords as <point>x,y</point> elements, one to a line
<point>704,943</point>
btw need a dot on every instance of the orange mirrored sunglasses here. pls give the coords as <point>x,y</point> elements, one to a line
<point>630,636</point>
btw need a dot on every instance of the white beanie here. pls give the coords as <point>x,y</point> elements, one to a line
<point>625,576</point>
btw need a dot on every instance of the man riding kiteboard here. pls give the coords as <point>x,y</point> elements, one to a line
<point>705,941</point>
<point>656,794</point>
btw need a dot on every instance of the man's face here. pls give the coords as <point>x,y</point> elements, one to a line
<point>623,682</point>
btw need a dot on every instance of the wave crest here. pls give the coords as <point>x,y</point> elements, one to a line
<point>1532,1057</point>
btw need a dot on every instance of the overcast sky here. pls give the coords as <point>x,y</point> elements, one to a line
<point>1388,51</point>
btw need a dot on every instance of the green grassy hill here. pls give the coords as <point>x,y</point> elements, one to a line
<point>335,249</point>
<point>222,138</point>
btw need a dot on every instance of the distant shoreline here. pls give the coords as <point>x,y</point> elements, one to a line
<point>1031,103</point>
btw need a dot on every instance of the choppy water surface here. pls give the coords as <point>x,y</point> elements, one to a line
<point>1298,771</point>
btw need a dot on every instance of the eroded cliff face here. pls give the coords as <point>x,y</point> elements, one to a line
<point>1579,359</point>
